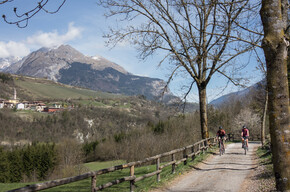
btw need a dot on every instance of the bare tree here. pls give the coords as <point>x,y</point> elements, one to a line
<point>248,118</point>
<point>200,38</point>
<point>262,68</point>
<point>22,18</point>
<point>274,15</point>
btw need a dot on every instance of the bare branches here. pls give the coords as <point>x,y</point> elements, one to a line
<point>230,79</point>
<point>22,18</point>
<point>5,1</point>
<point>200,36</point>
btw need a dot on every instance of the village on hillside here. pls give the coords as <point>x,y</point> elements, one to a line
<point>15,103</point>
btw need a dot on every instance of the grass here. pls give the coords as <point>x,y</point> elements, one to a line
<point>93,166</point>
<point>265,174</point>
<point>143,185</point>
<point>50,90</point>
<point>90,103</point>
<point>265,157</point>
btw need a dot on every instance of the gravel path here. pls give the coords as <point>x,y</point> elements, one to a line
<point>218,173</point>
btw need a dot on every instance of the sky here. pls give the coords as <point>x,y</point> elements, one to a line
<point>82,25</point>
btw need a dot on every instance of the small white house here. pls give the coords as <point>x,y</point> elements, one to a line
<point>1,105</point>
<point>56,105</point>
<point>40,107</point>
<point>20,106</point>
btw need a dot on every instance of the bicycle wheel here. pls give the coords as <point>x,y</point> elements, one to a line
<point>245,148</point>
<point>221,149</point>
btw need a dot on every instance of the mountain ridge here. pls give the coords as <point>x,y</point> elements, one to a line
<point>66,65</point>
<point>239,95</point>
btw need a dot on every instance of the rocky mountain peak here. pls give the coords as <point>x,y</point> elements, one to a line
<point>46,62</point>
<point>6,62</point>
<point>67,65</point>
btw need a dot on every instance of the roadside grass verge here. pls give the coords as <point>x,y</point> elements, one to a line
<point>265,174</point>
<point>265,157</point>
<point>143,185</point>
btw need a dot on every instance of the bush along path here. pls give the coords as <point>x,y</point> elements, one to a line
<point>218,173</point>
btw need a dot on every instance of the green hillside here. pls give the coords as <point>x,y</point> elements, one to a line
<point>46,89</point>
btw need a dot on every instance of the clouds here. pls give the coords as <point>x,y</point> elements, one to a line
<point>52,39</point>
<point>40,39</point>
<point>12,48</point>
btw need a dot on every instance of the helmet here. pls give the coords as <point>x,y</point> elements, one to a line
<point>244,127</point>
<point>220,127</point>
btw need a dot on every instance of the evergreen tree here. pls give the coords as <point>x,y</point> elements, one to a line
<point>4,166</point>
<point>15,166</point>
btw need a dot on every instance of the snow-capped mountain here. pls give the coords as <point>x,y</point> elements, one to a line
<point>6,62</point>
<point>66,65</point>
<point>47,62</point>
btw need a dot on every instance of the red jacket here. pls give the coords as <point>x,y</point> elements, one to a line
<point>245,132</point>
<point>221,132</point>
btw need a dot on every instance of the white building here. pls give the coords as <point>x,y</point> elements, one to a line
<point>2,105</point>
<point>40,107</point>
<point>20,106</point>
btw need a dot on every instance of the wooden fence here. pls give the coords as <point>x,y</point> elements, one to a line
<point>187,152</point>
<point>237,137</point>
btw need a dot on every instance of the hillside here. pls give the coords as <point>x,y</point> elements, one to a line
<point>244,96</point>
<point>93,111</point>
<point>37,88</point>
<point>29,88</point>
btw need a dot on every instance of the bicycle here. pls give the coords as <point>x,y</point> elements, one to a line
<point>221,146</point>
<point>245,146</point>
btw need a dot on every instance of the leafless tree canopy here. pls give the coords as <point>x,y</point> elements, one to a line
<point>199,37</point>
<point>22,17</point>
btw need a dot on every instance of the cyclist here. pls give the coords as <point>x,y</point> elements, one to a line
<point>245,135</point>
<point>221,135</point>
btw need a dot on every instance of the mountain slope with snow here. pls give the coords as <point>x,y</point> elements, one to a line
<point>66,65</point>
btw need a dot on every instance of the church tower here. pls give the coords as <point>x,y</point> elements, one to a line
<point>15,97</point>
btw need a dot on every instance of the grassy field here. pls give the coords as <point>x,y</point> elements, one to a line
<point>42,88</point>
<point>143,185</point>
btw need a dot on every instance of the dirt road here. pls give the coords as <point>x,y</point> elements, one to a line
<point>224,173</point>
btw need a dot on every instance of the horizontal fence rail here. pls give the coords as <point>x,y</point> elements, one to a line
<point>189,151</point>
<point>237,137</point>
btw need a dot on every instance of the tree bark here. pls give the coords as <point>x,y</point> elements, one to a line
<point>274,17</point>
<point>203,111</point>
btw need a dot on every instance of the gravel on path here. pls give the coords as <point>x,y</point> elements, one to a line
<point>224,173</point>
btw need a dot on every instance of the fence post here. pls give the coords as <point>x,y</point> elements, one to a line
<point>93,184</point>
<point>157,168</point>
<point>192,151</point>
<point>199,148</point>
<point>184,156</point>
<point>132,182</point>
<point>173,165</point>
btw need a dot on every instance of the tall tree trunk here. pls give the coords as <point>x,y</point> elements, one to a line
<point>263,123</point>
<point>274,17</point>
<point>203,111</point>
